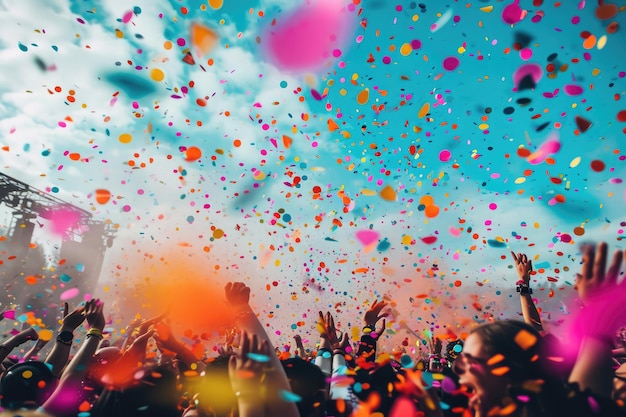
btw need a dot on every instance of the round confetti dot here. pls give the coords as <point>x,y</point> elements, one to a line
<point>431,211</point>
<point>157,75</point>
<point>216,4</point>
<point>526,54</point>
<point>406,49</point>
<point>125,138</point>
<point>450,63</point>
<point>27,374</point>
<point>445,155</point>
<point>621,116</point>
<point>193,153</point>
<point>102,196</point>
<point>597,165</point>
<point>45,335</point>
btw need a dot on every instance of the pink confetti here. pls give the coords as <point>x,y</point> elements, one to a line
<point>366,237</point>
<point>513,14</point>
<point>69,294</point>
<point>127,16</point>
<point>305,39</point>
<point>549,147</point>
<point>573,90</point>
<point>526,54</point>
<point>63,220</point>
<point>450,63</point>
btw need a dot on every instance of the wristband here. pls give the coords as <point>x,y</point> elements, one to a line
<point>369,328</point>
<point>95,332</point>
<point>324,352</point>
<point>65,337</point>
<point>524,289</point>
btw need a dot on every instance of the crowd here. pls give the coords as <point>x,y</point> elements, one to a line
<point>501,368</point>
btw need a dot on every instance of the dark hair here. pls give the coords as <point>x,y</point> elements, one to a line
<point>26,385</point>
<point>521,346</point>
<point>308,382</point>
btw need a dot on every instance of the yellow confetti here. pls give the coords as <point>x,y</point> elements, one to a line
<point>157,75</point>
<point>406,49</point>
<point>216,4</point>
<point>125,138</point>
<point>575,162</point>
<point>45,335</point>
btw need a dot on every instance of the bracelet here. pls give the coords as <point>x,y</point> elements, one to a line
<point>95,332</point>
<point>339,352</point>
<point>524,289</point>
<point>324,352</point>
<point>369,328</point>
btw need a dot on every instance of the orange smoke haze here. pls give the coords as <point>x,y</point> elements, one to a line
<point>188,288</point>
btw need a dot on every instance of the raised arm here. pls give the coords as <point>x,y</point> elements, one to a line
<point>246,371</point>
<point>604,299</point>
<point>60,402</point>
<point>166,341</point>
<point>524,267</point>
<point>60,353</point>
<point>238,296</point>
<point>14,341</point>
<point>367,345</point>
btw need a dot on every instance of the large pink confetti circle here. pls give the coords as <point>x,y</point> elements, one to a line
<point>450,63</point>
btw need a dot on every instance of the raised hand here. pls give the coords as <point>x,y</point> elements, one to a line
<point>373,314</point>
<point>524,267</point>
<point>237,294</point>
<point>595,278</point>
<point>144,325</point>
<point>71,320</point>
<point>327,329</point>
<point>246,369</point>
<point>94,313</point>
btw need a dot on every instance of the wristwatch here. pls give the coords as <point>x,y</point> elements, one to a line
<point>65,337</point>
<point>524,289</point>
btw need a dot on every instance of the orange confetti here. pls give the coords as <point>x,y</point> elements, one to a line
<point>363,96</point>
<point>31,280</point>
<point>102,196</point>
<point>202,38</point>
<point>431,211</point>
<point>423,111</point>
<point>193,153</point>
<point>388,193</point>
<point>590,42</point>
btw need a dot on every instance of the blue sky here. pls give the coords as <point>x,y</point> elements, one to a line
<point>250,204</point>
